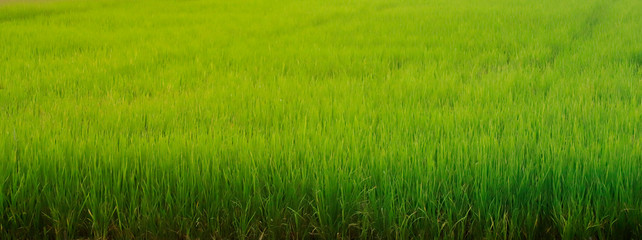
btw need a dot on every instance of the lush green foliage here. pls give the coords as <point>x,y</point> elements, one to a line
<point>321,119</point>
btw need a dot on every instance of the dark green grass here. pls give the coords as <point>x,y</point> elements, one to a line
<point>493,119</point>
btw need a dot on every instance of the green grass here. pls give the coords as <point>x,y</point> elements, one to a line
<point>321,119</point>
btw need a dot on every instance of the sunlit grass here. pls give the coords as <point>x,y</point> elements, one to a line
<point>321,119</point>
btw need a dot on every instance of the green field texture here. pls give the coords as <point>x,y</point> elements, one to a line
<point>321,119</point>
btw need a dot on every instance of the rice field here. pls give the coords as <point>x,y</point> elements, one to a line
<point>321,119</point>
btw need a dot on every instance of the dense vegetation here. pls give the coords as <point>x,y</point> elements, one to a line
<point>327,119</point>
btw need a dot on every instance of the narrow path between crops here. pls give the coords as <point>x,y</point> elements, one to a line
<point>584,31</point>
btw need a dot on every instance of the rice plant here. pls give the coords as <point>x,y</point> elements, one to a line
<point>311,119</point>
